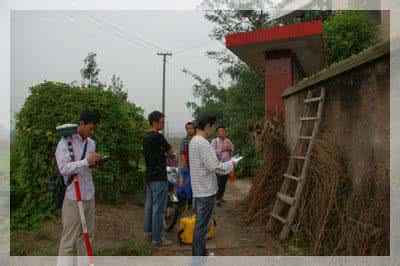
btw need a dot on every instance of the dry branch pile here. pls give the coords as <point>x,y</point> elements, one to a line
<point>336,218</point>
<point>333,217</point>
<point>268,180</point>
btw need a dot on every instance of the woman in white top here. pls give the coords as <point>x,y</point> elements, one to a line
<point>204,165</point>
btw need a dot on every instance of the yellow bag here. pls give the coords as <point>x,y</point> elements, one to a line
<point>185,234</point>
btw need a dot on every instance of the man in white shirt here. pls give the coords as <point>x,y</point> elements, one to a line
<point>204,165</point>
<point>72,238</point>
<point>224,149</point>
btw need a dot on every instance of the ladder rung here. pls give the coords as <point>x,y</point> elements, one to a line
<point>295,178</point>
<point>278,217</point>
<point>316,99</point>
<point>305,137</point>
<point>308,118</point>
<point>298,157</point>
<point>285,198</point>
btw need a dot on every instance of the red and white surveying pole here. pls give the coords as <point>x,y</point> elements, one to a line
<point>80,207</point>
<point>83,220</point>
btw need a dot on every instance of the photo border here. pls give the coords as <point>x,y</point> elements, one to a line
<point>393,5</point>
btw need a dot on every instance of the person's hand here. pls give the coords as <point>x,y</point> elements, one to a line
<point>234,164</point>
<point>227,147</point>
<point>93,158</point>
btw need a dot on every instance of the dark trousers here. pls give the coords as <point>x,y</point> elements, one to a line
<point>204,208</point>
<point>222,179</point>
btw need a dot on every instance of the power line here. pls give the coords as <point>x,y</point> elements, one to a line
<point>192,47</point>
<point>181,69</point>
<point>123,31</point>
<point>119,35</point>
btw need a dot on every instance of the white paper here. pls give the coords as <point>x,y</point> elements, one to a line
<point>236,158</point>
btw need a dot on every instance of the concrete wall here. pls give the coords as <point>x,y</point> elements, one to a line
<point>384,27</point>
<point>356,113</point>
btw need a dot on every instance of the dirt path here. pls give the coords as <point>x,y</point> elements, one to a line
<point>233,236</point>
<point>116,225</point>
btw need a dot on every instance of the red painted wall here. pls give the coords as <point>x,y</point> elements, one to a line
<point>278,77</point>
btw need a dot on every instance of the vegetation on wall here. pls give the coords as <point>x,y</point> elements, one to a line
<point>119,134</point>
<point>347,33</point>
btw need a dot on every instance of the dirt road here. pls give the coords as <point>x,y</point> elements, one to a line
<point>233,236</point>
<point>123,224</point>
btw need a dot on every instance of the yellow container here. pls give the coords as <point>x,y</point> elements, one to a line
<point>185,234</point>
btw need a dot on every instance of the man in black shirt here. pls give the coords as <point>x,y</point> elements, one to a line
<point>156,148</point>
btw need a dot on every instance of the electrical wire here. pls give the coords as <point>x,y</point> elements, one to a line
<point>121,30</point>
<point>119,35</point>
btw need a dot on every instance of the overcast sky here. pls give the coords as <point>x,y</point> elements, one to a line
<point>51,45</point>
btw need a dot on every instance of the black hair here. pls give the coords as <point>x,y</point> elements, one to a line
<point>220,126</point>
<point>205,119</point>
<point>189,124</point>
<point>88,117</point>
<point>155,116</point>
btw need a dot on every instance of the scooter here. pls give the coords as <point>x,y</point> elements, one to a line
<point>179,195</point>
<point>175,204</point>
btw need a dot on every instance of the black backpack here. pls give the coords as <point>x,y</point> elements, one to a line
<point>57,187</point>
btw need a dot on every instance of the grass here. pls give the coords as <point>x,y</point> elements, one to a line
<point>127,248</point>
<point>47,245</point>
<point>44,241</point>
<point>296,251</point>
<point>32,243</point>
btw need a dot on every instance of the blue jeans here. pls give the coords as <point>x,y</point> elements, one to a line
<point>204,208</point>
<point>156,202</point>
<point>185,191</point>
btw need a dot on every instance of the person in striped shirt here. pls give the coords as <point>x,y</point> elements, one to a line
<point>204,165</point>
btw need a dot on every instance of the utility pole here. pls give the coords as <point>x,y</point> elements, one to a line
<point>163,91</point>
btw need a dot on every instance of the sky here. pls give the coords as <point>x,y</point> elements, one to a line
<point>4,72</point>
<point>51,45</point>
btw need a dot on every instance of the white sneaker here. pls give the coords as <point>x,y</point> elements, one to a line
<point>164,242</point>
<point>210,254</point>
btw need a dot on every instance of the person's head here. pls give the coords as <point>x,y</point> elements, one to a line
<point>221,131</point>
<point>190,129</point>
<point>206,123</point>
<point>87,124</point>
<point>156,120</point>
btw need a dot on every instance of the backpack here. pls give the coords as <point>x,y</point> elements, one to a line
<point>56,184</point>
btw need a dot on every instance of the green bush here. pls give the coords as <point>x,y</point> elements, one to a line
<point>348,33</point>
<point>118,135</point>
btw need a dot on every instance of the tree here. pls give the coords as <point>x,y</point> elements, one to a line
<point>233,21</point>
<point>241,102</point>
<point>117,86</point>
<point>119,135</point>
<point>347,33</point>
<point>90,71</point>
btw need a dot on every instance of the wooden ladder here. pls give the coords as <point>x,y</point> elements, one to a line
<point>298,165</point>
